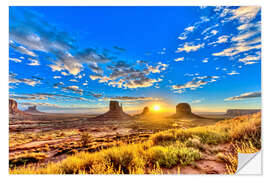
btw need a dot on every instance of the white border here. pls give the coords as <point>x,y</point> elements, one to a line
<point>4,74</point>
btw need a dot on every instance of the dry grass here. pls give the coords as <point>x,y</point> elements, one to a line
<point>164,149</point>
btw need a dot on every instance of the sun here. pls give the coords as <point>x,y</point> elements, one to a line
<point>156,107</point>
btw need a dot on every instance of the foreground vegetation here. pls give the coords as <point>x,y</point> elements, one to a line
<point>163,150</point>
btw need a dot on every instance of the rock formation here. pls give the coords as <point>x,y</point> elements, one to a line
<point>13,107</point>
<point>239,112</point>
<point>115,113</point>
<point>145,112</point>
<point>183,110</point>
<point>33,110</point>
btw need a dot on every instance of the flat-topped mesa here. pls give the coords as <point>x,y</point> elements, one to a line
<point>114,106</point>
<point>115,113</point>
<point>183,110</point>
<point>145,112</point>
<point>240,112</point>
<point>33,110</point>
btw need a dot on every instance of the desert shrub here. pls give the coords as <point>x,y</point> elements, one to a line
<point>212,137</point>
<point>246,147</point>
<point>204,134</point>
<point>104,168</point>
<point>248,132</point>
<point>161,137</point>
<point>51,168</point>
<point>195,142</point>
<point>231,159</point>
<point>26,158</point>
<point>85,138</point>
<point>171,155</point>
<point>232,163</point>
<point>156,169</point>
<point>162,156</point>
<point>127,158</point>
<point>222,157</point>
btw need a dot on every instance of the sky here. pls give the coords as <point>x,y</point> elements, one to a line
<point>77,59</point>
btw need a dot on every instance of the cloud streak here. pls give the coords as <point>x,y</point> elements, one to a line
<point>244,96</point>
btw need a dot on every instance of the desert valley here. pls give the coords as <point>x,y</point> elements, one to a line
<point>183,143</point>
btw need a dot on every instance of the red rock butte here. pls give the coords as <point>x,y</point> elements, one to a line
<point>115,113</point>
<point>145,112</point>
<point>33,110</point>
<point>13,108</point>
<point>183,110</point>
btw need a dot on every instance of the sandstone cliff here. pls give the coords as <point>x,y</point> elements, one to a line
<point>115,113</point>
<point>13,108</point>
<point>240,112</point>
<point>183,110</point>
<point>33,110</point>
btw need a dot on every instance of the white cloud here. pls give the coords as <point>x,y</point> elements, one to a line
<point>236,49</point>
<point>188,74</point>
<point>56,67</point>
<point>182,37</point>
<point>245,26</point>
<point>221,39</point>
<point>64,73</point>
<point>191,28</point>
<point>95,77</point>
<point>73,80</point>
<point>56,77</point>
<point>15,60</point>
<point>30,82</point>
<point>244,96</point>
<point>158,68</point>
<point>197,101</point>
<point>145,82</point>
<point>33,62</point>
<point>214,32</point>
<point>233,73</point>
<point>250,59</point>
<point>80,76</point>
<point>197,82</point>
<point>190,47</point>
<point>130,98</point>
<point>22,49</point>
<point>205,60</point>
<point>179,91</point>
<point>244,36</point>
<point>179,59</point>
<point>245,13</point>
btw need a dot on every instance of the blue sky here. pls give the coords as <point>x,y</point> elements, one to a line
<point>76,59</point>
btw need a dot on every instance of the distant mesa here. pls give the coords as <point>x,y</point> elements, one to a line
<point>13,108</point>
<point>183,110</point>
<point>240,112</point>
<point>146,112</point>
<point>115,113</point>
<point>33,110</point>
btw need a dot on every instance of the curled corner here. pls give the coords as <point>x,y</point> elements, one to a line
<point>244,159</point>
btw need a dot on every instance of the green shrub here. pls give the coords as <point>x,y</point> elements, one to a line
<point>171,155</point>
<point>26,158</point>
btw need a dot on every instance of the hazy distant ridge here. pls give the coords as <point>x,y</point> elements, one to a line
<point>238,112</point>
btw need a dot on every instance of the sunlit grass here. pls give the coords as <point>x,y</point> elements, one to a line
<point>165,149</point>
